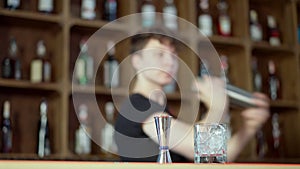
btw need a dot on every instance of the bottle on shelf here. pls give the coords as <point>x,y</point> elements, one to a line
<point>84,67</point>
<point>6,129</point>
<point>273,31</point>
<point>256,33</point>
<point>88,9</point>
<point>45,6</point>
<point>40,67</point>
<point>111,67</point>
<point>82,135</point>
<point>12,4</point>
<point>11,66</point>
<point>170,15</point>
<point>224,68</point>
<point>203,69</point>
<point>44,148</point>
<point>107,141</point>
<point>256,75</point>
<point>205,21</point>
<point>148,13</point>
<point>224,21</point>
<point>273,81</point>
<point>261,144</point>
<point>278,145</point>
<point>110,10</point>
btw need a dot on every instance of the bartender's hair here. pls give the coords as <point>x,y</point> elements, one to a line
<point>164,35</point>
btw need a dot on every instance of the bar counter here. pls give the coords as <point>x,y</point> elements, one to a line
<point>19,164</point>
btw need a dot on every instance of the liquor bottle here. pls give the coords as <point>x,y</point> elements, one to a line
<point>45,6</point>
<point>257,78</point>
<point>84,65</point>
<point>278,145</point>
<point>261,144</point>
<point>255,27</point>
<point>224,68</point>
<point>205,20</point>
<point>12,4</point>
<point>88,9</point>
<point>11,66</point>
<point>224,22</point>
<point>148,13</point>
<point>170,15</point>
<point>82,135</point>
<point>273,31</point>
<point>111,67</point>
<point>40,67</point>
<point>107,142</point>
<point>110,10</point>
<point>6,129</point>
<point>43,133</point>
<point>273,81</point>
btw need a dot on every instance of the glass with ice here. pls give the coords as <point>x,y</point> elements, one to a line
<point>210,143</point>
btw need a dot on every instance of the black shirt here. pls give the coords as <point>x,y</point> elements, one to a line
<point>133,144</point>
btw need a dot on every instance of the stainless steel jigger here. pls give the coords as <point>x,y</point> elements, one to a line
<point>163,124</point>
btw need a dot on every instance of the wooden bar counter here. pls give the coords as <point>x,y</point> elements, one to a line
<point>19,164</point>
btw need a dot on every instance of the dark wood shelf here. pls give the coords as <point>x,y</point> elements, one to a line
<point>35,16</point>
<point>284,104</point>
<point>232,41</point>
<point>88,89</point>
<point>266,47</point>
<point>24,84</point>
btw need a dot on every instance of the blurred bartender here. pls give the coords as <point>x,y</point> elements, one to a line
<point>154,58</point>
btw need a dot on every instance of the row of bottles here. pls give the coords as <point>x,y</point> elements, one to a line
<point>256,30</point>
<point>148,10</point>
<point>84,132</point>
<point>205,20</point>
<point>40,66</point>
<point>43,140</point>
<point>88,9</point>
<point>45,6</point>
<point>84,68</point>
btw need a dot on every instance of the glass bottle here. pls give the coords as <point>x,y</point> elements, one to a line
<point>45,6</point>
<point>12,4</point>
<point>84,65</point>
<point>6,129</point>
<point>255,27</point>
<point>273,81</point>
<point>257,78</point>
<point>205,22</point>
<point>40,67</point>
<point>148,13</point>
<point>224,68</point>
<point>44,148</point>
<point>11,66</point>
<point>224,22</point>
<point>88,9</point>
<point>273,31</point>
<point>111,67</point>
<point>107,140</point>
<point>82,135</point>
<point>110,10</point>
<point>170,15</point>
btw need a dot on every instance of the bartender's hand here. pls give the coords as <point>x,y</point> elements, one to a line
<point>255,117</point>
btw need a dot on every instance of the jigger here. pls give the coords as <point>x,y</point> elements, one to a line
<point>163,123</point>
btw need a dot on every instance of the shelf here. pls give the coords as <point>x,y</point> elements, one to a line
<point>96,24</point>
<point>266,47</point>
<point>31,16</point>
<point>28,156</point>
<point>284,104</point>
<point>232,41</point>
<point>22,84</point>
<point>88,89</point>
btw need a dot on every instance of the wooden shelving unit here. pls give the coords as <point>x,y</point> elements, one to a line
<point>63,30</point>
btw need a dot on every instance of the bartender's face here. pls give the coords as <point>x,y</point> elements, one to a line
<point>157,62</point>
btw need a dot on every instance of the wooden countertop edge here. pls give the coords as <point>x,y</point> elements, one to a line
<point>22,164</point>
